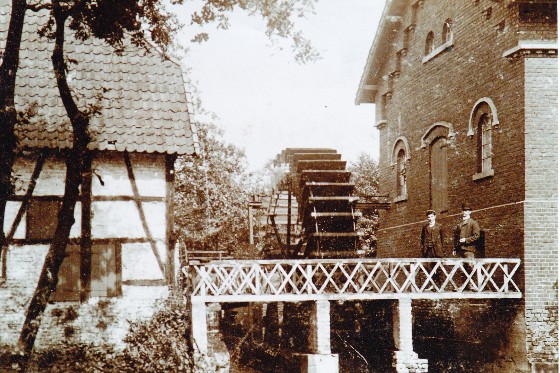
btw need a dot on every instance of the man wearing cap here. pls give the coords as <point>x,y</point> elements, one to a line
<point>431,239</point>
<point>431,244</point>
<point>466,235</point>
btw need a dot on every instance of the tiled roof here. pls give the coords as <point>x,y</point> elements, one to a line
<point>144,108</point>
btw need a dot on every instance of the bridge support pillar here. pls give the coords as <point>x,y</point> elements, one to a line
<point>199,327</point>
<point>210,351</point>
<point>320,360</point>
<point>404,358</point>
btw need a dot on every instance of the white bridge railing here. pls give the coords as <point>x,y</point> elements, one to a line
<point>352,279</point>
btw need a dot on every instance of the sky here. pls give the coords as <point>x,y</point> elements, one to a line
<point>265,101</point>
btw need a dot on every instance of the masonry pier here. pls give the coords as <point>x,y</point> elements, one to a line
<point>404,358</point>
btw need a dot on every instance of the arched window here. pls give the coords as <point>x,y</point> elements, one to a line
<point>483,118</point>
<point>429,43</point>
<point>446,34</point>
<point>484,143</point>
<point>399,159</point>
<point>401,173</point>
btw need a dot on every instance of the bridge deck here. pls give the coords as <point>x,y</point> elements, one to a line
<point>352,279</point>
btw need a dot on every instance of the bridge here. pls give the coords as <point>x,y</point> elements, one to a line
<point>325,280</point>
<point>317,254</point>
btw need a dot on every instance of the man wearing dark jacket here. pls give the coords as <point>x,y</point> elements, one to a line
<point>431,245</point>
<point>466,235</point>
<point>431,239</point>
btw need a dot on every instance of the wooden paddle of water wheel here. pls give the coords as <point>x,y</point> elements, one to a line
<point>314,206</point>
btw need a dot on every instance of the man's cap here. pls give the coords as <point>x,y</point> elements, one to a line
<point>429,212</point>
<point>466,207</point>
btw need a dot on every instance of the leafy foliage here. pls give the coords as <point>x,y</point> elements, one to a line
<point>160,344</point>
<point>278,15</point>
<point>365,174</point>
<point>211,194</point>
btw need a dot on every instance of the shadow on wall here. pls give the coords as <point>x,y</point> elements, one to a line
<point>471,336</point>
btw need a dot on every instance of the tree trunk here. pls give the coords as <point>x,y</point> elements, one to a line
<point>8,117</point>
<point>74,167</point>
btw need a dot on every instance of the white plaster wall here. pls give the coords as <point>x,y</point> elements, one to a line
<point>50,181</point>
<point>12,208</point>
<point>121,219</point>
<point>149,173</point>
<point>24,265</point>
<point>139,262</point>
<point>101,320</point>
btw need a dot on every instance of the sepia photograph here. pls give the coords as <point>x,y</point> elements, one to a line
<point>270,186</point>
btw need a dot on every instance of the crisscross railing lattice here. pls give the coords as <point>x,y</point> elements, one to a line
<point>353,279</point>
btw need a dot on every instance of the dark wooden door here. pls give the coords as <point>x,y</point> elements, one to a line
<point>438,175</point>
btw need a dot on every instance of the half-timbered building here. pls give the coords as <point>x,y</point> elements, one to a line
<point>125,211</point>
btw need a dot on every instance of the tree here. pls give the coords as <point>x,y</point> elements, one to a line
<point>211,194</point>
<point>103,20</point>
<point>115,22</point>
<point>278,15</point>
<point>8,114</point>
<point>365,175</point>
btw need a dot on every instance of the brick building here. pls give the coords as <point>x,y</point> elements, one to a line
<point>126,203</point>
<point>466,107</point>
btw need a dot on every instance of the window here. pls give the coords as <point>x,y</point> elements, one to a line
<point>103,271</point>
<point>429,43</point>
<point>399,159</point>
<point>438,175</point>
<point>446,34</point>
<point>401,173</point>
<point>41,219</point>
<point>431,50</point>
<point>484,143</point>
<point>483,118</point>
<point>538,13</point>
<point>104,280</point>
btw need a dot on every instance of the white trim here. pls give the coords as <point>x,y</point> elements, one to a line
<point>406,148</point>
<point>450,132</point>
<point>401,198</point>
<point>483,175</point>
<point>438,50</point>
<point>531,45</point>
<point>495,120</point>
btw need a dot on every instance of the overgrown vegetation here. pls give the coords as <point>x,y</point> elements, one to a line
<point>211,195</point>
<point>160,344</point>
<point>365,174</point>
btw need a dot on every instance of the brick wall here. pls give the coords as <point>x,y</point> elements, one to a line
<point>517,206</point>
<point>100,320</point>
<point>444,89</point>
<point>541,209</point>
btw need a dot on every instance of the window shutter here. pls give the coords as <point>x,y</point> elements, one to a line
<point>68,287</point>
<point>103,271</point>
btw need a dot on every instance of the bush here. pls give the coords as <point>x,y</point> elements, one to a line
<point>160,344</point>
